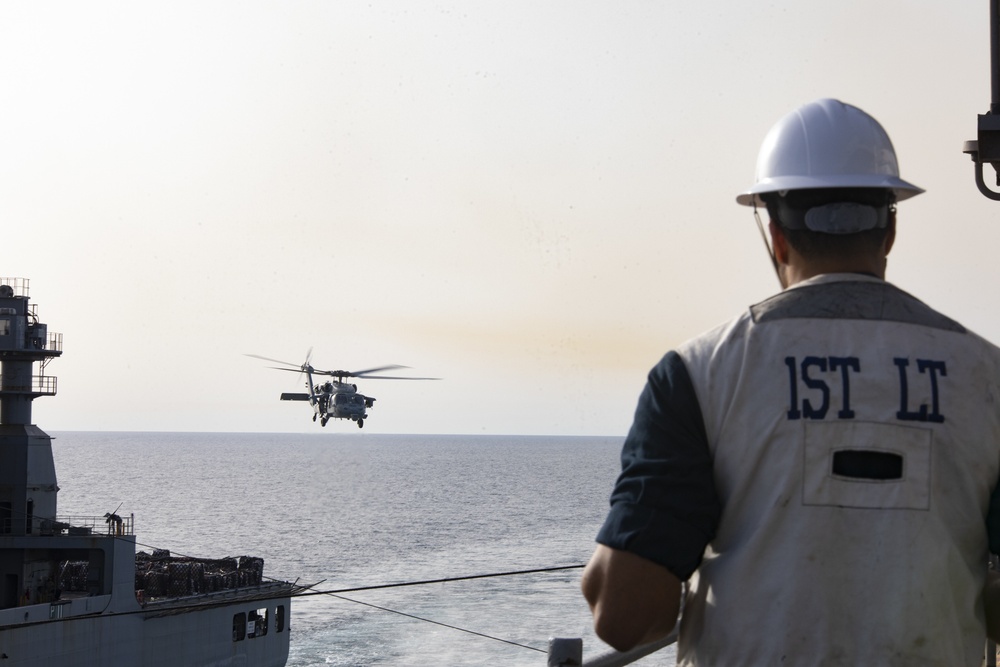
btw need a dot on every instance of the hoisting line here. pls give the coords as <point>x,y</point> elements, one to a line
<point>441,581</point>
<point>427,620</point>
<point>334,593</point>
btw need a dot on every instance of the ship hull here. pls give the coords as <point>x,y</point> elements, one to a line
<point>193,632</point>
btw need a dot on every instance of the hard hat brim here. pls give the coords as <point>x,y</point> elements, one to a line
<point>902,189</point>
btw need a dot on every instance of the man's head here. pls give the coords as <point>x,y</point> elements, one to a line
<point>824,224</point>
<point>828,175</point>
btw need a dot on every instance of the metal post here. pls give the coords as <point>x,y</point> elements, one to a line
<point>995,55</point>
<point>565,652</point>
<point>985,149</point>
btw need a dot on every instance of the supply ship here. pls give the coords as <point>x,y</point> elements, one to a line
<point>73,590</point>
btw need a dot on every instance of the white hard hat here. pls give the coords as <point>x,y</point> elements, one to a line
<point>826,144</point>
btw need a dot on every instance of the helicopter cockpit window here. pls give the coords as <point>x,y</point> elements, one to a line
<point>4,326</point>
<point>347,399</point>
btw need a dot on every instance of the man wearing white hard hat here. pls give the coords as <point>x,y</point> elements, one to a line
<point>817,478</point>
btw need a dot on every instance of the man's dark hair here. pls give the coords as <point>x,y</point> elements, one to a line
<point>820,245</point>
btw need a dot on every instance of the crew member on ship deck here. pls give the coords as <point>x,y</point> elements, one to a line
<point>818,476</point>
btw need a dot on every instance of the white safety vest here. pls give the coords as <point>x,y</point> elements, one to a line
<point>855,436</point>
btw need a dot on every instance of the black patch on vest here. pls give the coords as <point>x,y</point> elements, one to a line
<point>866,464</point>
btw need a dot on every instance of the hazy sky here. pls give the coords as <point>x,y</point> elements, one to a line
<point>531,200</point>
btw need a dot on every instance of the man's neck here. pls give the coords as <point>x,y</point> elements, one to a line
<point>799,271</point>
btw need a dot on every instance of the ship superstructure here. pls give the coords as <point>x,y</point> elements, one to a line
<point>74,592</point>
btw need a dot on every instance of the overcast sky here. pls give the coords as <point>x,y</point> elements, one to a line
<point>531,200</point>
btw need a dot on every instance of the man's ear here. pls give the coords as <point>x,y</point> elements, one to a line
<point>779,243</point>
<point>890,236</point>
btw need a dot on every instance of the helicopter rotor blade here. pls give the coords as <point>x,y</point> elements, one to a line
<point>295,368</point>
<point>277,361</point>
<point>366,374</point>
<point>377,369</point>
<point>339,374</point>
<point>359,374</point>
<point>347,374</point>
<point>395,377</point>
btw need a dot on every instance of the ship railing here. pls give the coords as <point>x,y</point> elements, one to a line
<point>110,524</point>
<point>74,525</point>
<point>564,652</point>
<point>21,286</point>
<point>41,385</point>
<point>44,384</point>
<point>53,340</point>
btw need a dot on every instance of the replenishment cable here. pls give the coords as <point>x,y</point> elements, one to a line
<point>423,582</point>
<point>444,625</point>
<point>336,594</point>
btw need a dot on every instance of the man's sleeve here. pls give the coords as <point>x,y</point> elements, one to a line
<point>664,506</point>
<point>993,521</point>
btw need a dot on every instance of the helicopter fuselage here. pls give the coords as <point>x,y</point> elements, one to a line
<point>339,400</point>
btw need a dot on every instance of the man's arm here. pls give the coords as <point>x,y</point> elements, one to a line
<point>634,600</point>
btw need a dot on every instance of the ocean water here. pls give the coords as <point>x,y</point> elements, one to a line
<point>347,510</point>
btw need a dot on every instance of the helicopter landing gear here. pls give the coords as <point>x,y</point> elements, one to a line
<point>361,423</point>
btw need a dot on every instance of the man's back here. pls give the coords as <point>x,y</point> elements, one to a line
<point>855,440</point>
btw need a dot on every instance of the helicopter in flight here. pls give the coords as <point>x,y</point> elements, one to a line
<point>335,398</point>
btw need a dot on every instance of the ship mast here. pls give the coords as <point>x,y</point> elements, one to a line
<point>27,473</point>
